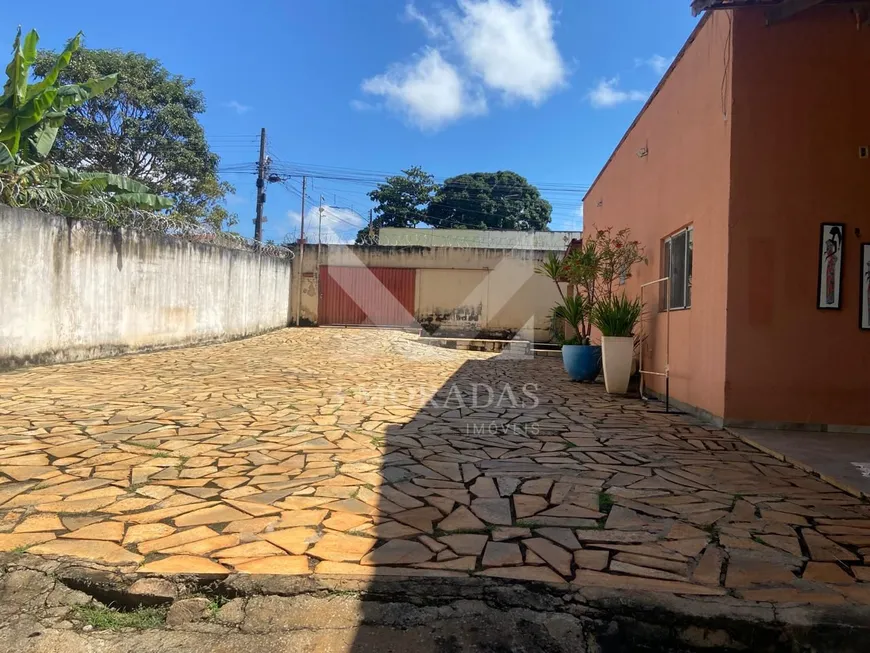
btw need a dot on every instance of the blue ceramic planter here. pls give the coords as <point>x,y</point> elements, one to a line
<point>582,362</point>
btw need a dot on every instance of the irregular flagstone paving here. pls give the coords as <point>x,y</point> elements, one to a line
<point>365,453</point>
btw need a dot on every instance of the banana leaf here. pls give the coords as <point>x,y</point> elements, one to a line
<point>125,191</point>
<point>74,94</point>
<point>15,90</point>
<point>141,201</point>
<point>62,62</point>
<point>11,138</point>
<point>35,110</point>
<point>113,183</point>
<point>41,139</point>
<point>7,161</point>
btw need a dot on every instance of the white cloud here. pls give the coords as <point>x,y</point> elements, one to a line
<point>657,63</point>
<point>430,92</point>
<point>359,105</point>
<point>238,107</point>
<point>510,45</point>
<point>506,46</point>
<point>433,30</point>
<point>339,225</point>
<point>608,94</point>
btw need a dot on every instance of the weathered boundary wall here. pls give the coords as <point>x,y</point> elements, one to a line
<point>73,290</point>
<point>459,291</point>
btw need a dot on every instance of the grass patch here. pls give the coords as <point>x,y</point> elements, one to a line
<point>21,548</point>
<point>107,618</point>
<point>463,531</point>
<point>570,445</point>
<point>379,442</point>
<point>182,461</point>
<point>144,445</point>
<point>215,605</point>
<point>605,502</point>
<point>160,454</point>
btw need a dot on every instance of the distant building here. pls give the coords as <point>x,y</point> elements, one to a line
<point>477,238</point>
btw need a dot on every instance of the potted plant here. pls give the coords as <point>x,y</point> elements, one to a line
<point>616,318</point>
<point>582,361</point>
<point>592,269</point>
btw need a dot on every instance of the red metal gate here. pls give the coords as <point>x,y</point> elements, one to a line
<point>358,295</point>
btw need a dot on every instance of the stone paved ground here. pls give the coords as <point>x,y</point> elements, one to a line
<point>365,453</point>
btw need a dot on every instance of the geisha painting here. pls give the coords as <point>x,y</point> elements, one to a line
<point>831,265</point>
<point>865,287</point>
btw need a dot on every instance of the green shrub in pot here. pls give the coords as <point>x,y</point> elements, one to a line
<point>616,318</point>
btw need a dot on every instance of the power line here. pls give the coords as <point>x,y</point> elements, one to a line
<point>362,176</point>
<point>288,170</point>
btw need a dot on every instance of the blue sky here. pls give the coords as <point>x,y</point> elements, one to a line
<point>542,87</point>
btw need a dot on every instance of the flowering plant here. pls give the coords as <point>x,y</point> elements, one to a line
<point>594,268</point>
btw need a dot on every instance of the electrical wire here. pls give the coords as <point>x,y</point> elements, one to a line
<point>289,170</point>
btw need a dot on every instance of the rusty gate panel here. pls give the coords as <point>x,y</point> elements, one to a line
<point>370,296</point>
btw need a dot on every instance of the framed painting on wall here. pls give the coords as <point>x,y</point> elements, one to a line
<point>830,265</point>
<point>864,304</point>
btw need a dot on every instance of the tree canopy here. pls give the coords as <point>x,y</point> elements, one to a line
<point>478,200</point>
<point>488,200</point>
<point>401,200</point>
<point>145,127</point>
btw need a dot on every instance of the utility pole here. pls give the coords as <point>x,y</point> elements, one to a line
<point>371,232</point>
<point>319,228</point>
<point>301,252</point>
<point>261,187</point>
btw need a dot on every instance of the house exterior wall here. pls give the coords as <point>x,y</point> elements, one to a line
<point>463,290</point>
<point>682,180</point>
<point>74,290</point>
<point>801,111</point>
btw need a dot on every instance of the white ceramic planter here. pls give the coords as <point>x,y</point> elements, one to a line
<point>616,354</point>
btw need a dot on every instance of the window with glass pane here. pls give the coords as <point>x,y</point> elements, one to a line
<point>690,244</point>
<point>677,264</point>
<point>678,270</point>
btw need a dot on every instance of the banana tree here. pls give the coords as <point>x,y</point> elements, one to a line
<point>31,116</point>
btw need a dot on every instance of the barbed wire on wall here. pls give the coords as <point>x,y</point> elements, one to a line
<point>101,210</point>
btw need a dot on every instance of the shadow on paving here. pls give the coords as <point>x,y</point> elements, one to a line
<point>496,494</point>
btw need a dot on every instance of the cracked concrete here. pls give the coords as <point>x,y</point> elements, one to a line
<point>38,599</point>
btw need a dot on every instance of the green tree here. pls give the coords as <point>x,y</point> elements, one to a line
<point>145,127</point>
<point>401,201</point>
<point>488,200</point>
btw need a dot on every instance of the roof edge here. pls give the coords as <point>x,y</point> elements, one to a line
<point>665,77</point>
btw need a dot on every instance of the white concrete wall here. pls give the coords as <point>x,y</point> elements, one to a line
<point>73,290</point>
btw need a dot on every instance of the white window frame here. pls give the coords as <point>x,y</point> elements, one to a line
<point>667,262</point>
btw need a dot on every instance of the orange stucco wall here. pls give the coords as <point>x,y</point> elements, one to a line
<point>801,111</point>
<point>684,179</point>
